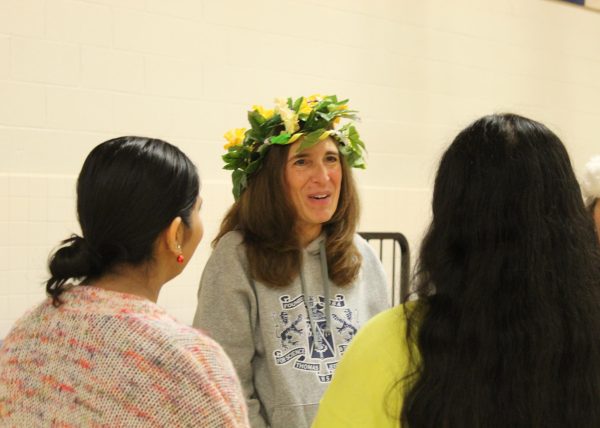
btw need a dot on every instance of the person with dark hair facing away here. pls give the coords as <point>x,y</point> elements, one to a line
<point>99,351</point>
<point>289,281</point>
<point>591,190</point>
<point>505,331</point>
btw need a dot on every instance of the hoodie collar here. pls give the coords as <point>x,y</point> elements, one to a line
<point>313,247</point>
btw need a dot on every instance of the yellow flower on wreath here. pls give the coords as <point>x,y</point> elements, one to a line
<point>295,137</point>
<point>234,137</point>
<point>266,113</point>
<point>314,99</point>
<point>305,108</point>
<point>308,103</point>
<point>336,121</point>
<point>325,135</point>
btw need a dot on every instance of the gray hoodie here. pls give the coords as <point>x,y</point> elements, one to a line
<point>268,332</point>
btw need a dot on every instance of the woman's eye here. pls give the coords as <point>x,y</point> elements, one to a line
<point>332,159</point>
<point>300,162</point>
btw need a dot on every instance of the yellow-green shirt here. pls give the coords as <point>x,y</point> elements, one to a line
<point>363,392</point>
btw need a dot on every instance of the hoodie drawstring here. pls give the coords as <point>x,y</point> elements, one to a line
<point>309,310</point>
<point>325,277</point>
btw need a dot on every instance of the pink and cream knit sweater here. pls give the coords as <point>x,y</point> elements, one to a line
<point>111,359</point>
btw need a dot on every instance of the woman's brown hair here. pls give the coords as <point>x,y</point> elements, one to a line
<point>266,217</point>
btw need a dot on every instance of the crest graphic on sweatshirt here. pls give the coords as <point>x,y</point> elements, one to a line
<point>308,352</point>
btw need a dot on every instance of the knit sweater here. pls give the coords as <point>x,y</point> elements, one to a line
<point>111,359</point>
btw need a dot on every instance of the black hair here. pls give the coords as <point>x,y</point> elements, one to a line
<point>128,191</point>
<point>507,334</point>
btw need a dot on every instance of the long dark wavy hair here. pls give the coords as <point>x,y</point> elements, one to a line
<point>265,216</point>
<point>508,332</point>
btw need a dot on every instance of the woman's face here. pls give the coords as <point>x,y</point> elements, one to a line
<point>596,214</point>
<point>312,180</point>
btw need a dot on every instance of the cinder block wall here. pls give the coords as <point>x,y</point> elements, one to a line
<point>74,73</point>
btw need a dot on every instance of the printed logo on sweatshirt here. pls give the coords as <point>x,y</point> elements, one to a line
<point>318,353</point>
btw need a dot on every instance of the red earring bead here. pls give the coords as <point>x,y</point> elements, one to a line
<point>180,258</point>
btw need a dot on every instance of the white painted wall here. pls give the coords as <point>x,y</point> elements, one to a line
<point>74,73</point>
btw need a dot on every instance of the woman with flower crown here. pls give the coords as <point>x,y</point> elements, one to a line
<point>289,281</point>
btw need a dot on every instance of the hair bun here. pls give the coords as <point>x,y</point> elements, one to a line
<point>76,259</point>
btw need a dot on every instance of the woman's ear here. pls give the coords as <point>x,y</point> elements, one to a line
<point>174,236</point>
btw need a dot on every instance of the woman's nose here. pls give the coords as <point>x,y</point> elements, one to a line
<point>320,173</point>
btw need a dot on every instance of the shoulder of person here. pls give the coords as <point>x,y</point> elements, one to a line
<point>231,239</point>
<point>359,241</point>
<point>231,245</point>
<point>185,340</point>
<point>363,246</point>
<point>193,364</point>
<point>385,327</point>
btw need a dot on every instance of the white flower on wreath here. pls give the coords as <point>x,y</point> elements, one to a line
<point>288,116</point>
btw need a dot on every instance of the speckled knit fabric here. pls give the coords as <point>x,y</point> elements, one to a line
<point>113,359</point>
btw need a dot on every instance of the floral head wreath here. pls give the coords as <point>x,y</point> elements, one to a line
<point>313,118</point>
